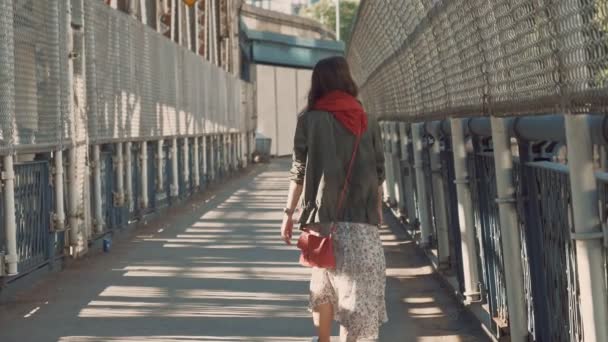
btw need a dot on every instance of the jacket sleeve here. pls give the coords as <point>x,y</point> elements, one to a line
<point>379,152</point>
<point>300,151</point>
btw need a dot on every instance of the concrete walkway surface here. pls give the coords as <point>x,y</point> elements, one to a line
<point>216,270</point>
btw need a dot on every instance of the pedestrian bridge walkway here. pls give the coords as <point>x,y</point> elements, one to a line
<point>215,269</point>
<point>493,119</point>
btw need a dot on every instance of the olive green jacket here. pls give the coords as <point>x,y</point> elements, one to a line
<point>322,151</point>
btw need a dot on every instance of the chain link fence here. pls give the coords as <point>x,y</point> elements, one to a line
<point>74,74</point>
<point>34,68</point>
<point>138,84</point>
<point>143,85</point>
<point>432,58</point>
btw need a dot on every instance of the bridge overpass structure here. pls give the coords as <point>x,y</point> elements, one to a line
<point>279,52</point>
<point>128,126</point>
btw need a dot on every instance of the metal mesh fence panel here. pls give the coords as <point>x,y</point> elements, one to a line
<point>7,74</point>
<point>34,69</point>
<point>429,59</point>
<point>143,85</point>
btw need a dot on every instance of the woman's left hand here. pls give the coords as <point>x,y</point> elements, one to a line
<point>287,229</point>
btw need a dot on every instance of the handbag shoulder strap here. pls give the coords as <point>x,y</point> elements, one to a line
<point>348,175</point>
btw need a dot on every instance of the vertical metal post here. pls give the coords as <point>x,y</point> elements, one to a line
<point>213,156</point>
<point>7,93</point>
<point>588,233</point>
<point>8,176</point>
<point>234,150</point>
<point>160,165</point>
<point>410,206</point>
<point>337,19</point>
<point>509,229</point>
<point>75,235</point>
<point>180,23</point>
<point>227,155</point>
<point>228,145</point>
<point>174,166</point>
<point>77,186</point>
<point>99,221</point>
<point>173,18</point>
<point>231,151</point>
<point>388,184</point>
<point>440,202</point>
<point>59,195</point>
<point>120,176</point>
<point>244,149</point>
<point>197,164</point>
<point>144,175</point>
<point>470,262</point>
<point>197,40</point>
<point>186,160</point>
<point>144,11</point>
<point>213,33</point>
<point>423,200</point>
<point>206,28</point>
<point>396,167</point>
<point>129,176</point>
<point>186,14</point>
<point>204,147</point>
<point>133,7</point>
<point>237,149</point>
<point>222,153</point>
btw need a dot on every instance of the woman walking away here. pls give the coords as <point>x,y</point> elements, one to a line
<point>338,163</point>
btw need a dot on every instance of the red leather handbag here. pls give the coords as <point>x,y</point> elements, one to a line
<point>318,250</point>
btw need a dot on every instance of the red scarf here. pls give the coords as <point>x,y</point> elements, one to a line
<point>345,109</point>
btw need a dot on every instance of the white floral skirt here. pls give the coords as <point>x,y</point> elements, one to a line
<point>356,287</point>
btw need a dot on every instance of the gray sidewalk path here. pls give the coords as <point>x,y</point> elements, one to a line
<point>217,271</point>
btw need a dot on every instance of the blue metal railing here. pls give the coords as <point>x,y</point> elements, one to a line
<point>543,204</point>
<point>483,192</point>
<point>162,193</point>
<point>428,178</point>
<point>201,171</point>
<point>522,189</point>
<point>114,216</point>
<point>551,257</point>
<point>136,186</point>
<point>184,190</point>
<point>210,154</point>
<point>152,168</point>
<point>409,179</point>
<point>33,207</point>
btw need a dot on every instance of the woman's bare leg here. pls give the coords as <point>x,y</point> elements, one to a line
<point>345,337</point>
<point>323,316</point>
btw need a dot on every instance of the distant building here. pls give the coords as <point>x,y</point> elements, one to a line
<point>279,52</point>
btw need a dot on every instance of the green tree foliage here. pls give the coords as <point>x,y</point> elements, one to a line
<point>324,11</point>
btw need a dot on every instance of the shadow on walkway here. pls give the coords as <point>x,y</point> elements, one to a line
<point>216,270</point>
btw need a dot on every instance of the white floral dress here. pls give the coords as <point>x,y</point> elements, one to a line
<point>356,287</point>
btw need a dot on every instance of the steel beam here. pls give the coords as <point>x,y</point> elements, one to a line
<point>470,262</point>
<point>509,230</point>
<point>587,229</point>
<point>421,186</point>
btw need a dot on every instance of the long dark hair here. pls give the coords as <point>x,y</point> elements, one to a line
<point>328,75</point>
